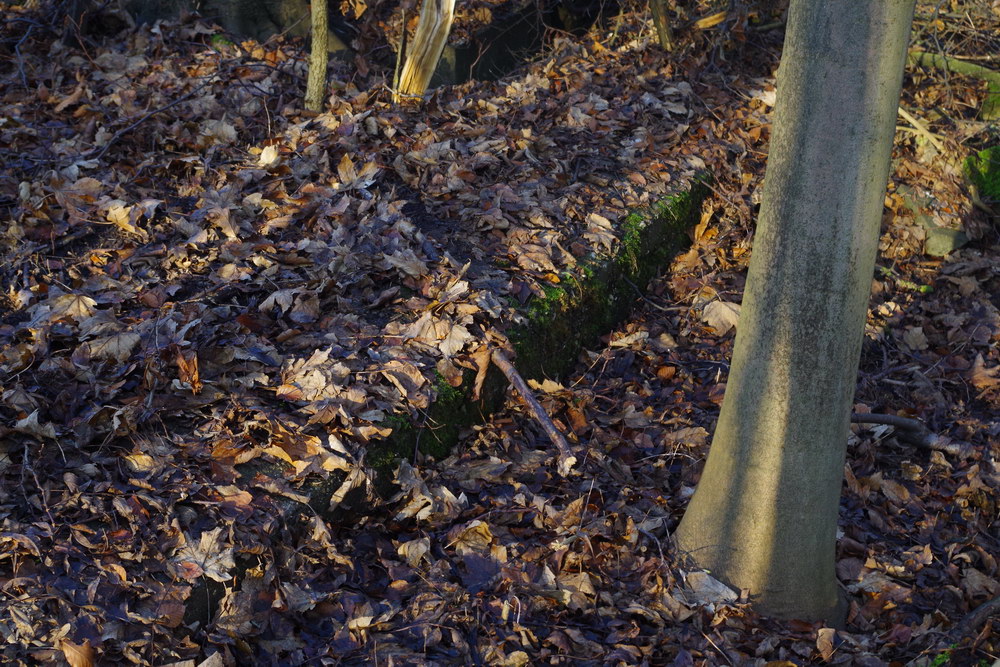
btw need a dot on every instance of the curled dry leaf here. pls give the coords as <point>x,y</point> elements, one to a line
<point>78,655</point>
<point>721,316</point>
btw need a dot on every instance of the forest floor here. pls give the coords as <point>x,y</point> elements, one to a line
<point>197,273</point>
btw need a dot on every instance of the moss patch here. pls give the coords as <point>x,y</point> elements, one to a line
<point>983,171</point>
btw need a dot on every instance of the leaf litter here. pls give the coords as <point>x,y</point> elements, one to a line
<point>198,275</point>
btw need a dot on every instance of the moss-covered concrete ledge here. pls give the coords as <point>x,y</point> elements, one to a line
<point>587,303</point>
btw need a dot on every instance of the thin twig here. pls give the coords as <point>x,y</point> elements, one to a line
<point>566,457</point>
<point>667,309</point>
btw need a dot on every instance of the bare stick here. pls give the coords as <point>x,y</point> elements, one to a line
<point>566,457</point>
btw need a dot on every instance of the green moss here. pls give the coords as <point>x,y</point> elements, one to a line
<point>983,171</point>
<point>221,42</point>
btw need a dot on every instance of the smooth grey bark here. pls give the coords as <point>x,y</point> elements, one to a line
<point>318,57</point>
<point>764,516</point>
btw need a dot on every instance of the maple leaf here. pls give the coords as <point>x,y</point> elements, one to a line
<point>75,306</point>
<point>209,557</point>
<point>113,348</point>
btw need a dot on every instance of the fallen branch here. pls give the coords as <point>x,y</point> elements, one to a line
<point>969,624</point>
<point>913,432</point>
<point>566,457</point>
<point>991,105</point>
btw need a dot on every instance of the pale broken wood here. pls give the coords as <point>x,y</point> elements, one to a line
<point>424,52</point>
<point>566,457</point>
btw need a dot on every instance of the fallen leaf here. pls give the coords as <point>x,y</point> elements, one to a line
<point>77,655</point>
<point>721,316</point>
<point>707,589</point>
<point>915,339</point>
<point>824,642</point>
<point>210,557</point>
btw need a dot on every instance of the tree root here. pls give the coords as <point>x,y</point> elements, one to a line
<point>914,432</point>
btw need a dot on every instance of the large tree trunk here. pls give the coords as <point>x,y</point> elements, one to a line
<point>318,57</point>
<point>764,516</point>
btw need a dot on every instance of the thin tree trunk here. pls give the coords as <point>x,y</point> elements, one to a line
<point>661,20</point>
<point>764,516</point>
<point>318,57</point>
<point>425,50</point>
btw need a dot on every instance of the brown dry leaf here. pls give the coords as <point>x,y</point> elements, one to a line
<point>451,372</point>
<point>546,386</point>
<point>578,421</point>
<point>721,316</point>
<point>824,642</point>
<point>123,217</point>
<point>76,306</point>
<point>692,436</point>
<point>32,426</point>
<point>984,378</point>
<point>580,587</point>
<point>313,379</point>
<point>306,308</point>
<point>637,338</point>
<point>710,21</point>
<point>415,551</point>
<point>114,348</point>
<point>474,536</point>
<point>140,464</point>
<point>977,584</point>
<point>71,99</point>
<point>706,589</point>
<point>455,340</point>
<point>187,370</point>
<point>482,358</point>
<point>345,170</point>
<point>895,492</point>
<point>77,655</point>
<point>600,231</point>
<point>23,541</point>
<point>268,157</point>
<point>408,379</point>
<point>408,263</point>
